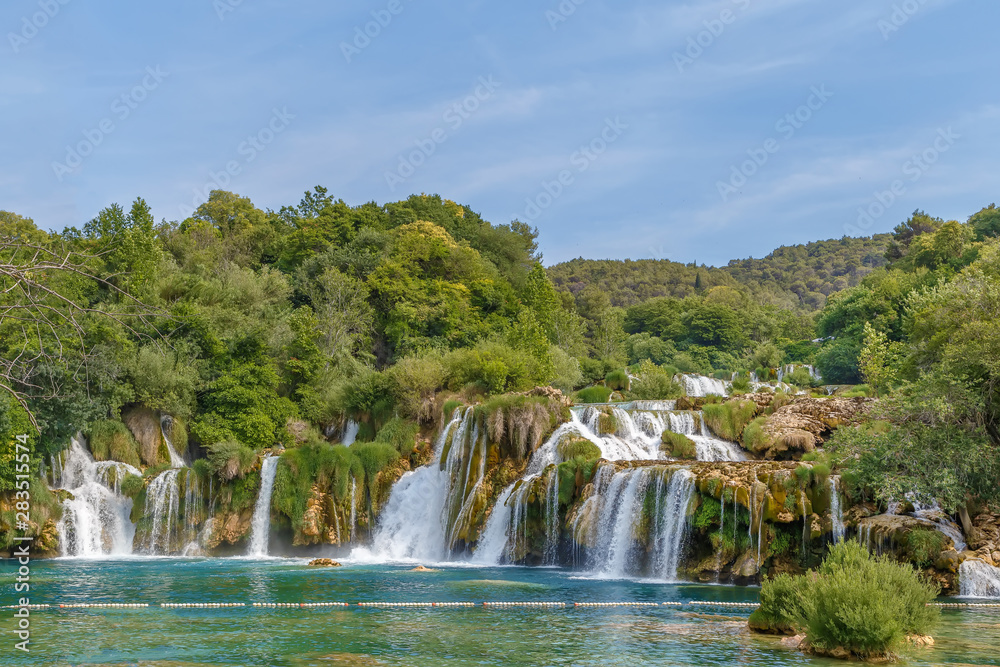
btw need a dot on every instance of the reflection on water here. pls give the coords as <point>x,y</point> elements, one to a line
<point>415,636</point>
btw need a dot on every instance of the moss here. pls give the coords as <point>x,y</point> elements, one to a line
<point>574,447</point>
<point>678,446</point>
<point>112,441</point>
<point>754,438</point>
<point>708,513</point>
<point>596,394</point>
<point>728,420</point>
<point>607,423</point>
<point>132,485</point>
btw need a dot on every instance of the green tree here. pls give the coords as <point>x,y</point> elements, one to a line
<point>877,360</point>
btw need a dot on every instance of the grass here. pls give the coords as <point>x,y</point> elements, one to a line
<point>678,446</point>
<point>112,441</point>
<point>595,394</point>
<point>728,420</point>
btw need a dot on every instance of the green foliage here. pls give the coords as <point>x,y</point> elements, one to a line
<point>374,457</point>
<point>708,513</point>
<point>923,546</point>
<point>653,382</point>
<point>678,446</point>
<point>574,447</point>
<point>867,604</point>
<point>596,394</point>
<point>112,441</point>
<point>230,459</point>
<point>132,486</point>
<point>863,603</point>
<point>244,405</point>
<point>617,380</point>
<point>400,434</point>
<point>728,420</point>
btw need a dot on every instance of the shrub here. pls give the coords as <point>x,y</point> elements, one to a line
<point>799,377</point>
<point>863,603</point>
<point>754,438</point>
<point>230,459</point>
<point>568,374</point>
<point>923,546</point>
<point>617,380</point>
<point>399,433</point>
<point>741,384</point>
<point>132,486</point>
<point>653,382</point>
<point>574,447</point>
<point>785,605</point>
<point>678,446</point>
<point>519,423</point>
<point>596,394</point>
<point>868,604</point>
<point>450,406</point>
<point>112,441</point>
<point>417,379</point>
<point>374,457</point>
<point>708,513</point>
<point>728,420</point>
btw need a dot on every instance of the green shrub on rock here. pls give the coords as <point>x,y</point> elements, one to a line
<point>112,441</point>
<point>866,605</point>
<point>595,394</point>
<point>678,446</point>
<point>617,380</point>
<point>575,447</point>
<point>728,420</point>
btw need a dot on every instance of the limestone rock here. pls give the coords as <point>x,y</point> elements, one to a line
<point>145,426</point>
<point>421,568</point>
<point>800,426</point>
<point>323,562</point>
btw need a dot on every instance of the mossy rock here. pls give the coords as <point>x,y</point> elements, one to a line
<point>112,441</point>
<point>678,446</point>
<point>572,447</point>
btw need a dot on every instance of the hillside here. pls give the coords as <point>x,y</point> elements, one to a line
<point>798,277</point>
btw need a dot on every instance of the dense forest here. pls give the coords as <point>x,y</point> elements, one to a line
<point>257,329</point>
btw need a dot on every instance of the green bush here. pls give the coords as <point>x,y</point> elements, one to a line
<point>112,441</point>
<point>678,446</point>
<point>785,604</point>
<point>653,382</point>
<point>754,439</point>
<point>132,486</point>
<point>617,380</point>
<point>574,447</point>
<point>728,420</point>
<point>230,459</point>
<point>863,603</point>
<point>449,409</point>
<point>595,394</point>
<point>399,433</point>
<point>923,546</point>
<point>709,513</point>
<point>799,377</point>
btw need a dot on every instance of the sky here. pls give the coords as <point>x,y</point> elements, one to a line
<point>693,131</point>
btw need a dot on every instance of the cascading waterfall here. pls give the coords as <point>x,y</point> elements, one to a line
<point>671,523</point>
<point>836,515</point>
<point>552,518</point>
<point>95,522</point>
<point>261,522</point>
<point>414,523</point>
<point>176,460</point>
<point>350,433</point>
<point>697,386</point>
<point>620,513</point>
<point>710,448</point>
<point>942,522</point>
<point>163,495</point>
<point>354,508</point>
<point>977,579</point>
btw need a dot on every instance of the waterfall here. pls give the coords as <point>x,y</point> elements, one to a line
<point>671,523</point>
<point>350,433</point>
<point>697,386</point>
<point>977,579</point>
<point>710,448</point>
<point>836,515</point>
<point>95,522</point>
<point>552,518</point>
<point>176,460</point>
<point>163,495</point>
<point>942,522</point>
<point>413,523</point>
<point>621,510</point>
<point>261,522</point>
<point>354,507</point>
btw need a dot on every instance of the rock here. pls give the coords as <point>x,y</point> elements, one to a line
<point>551,393</point>
<point>948,560</point>
<point>803,424</point>
<point>794,641</point>
<point>145,426</point>
<point>746,565</point>
<point>421,568</point>
<point>323,562</point>
<point>920,640</point>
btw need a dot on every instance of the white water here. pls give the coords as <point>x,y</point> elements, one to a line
<point>412,525</point>
<point>176,460</point>
<point>261,523</point>
<point>977,579</point>
<point>163,497</point>
<point>552,518</point>
<point>942,521</point>
<point>836,515</point>
<point>697,386</point>
<point>671,523</point>
<point>96,521</point>
<point>350,433</point>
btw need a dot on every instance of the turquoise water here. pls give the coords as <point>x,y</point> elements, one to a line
<point>374,637</point>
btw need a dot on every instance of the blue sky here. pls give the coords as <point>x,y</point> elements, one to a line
<point>627,125</point>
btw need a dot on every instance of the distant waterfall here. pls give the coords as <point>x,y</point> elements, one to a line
<point>836,515</point>
<point>95,522</point>
<point>977,579</point>
<point>176,460</point>
<point>261,522</point>
<point>697,386</point>
<point>350,433</point>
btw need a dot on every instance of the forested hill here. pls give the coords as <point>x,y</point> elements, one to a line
<point>796,277</point>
